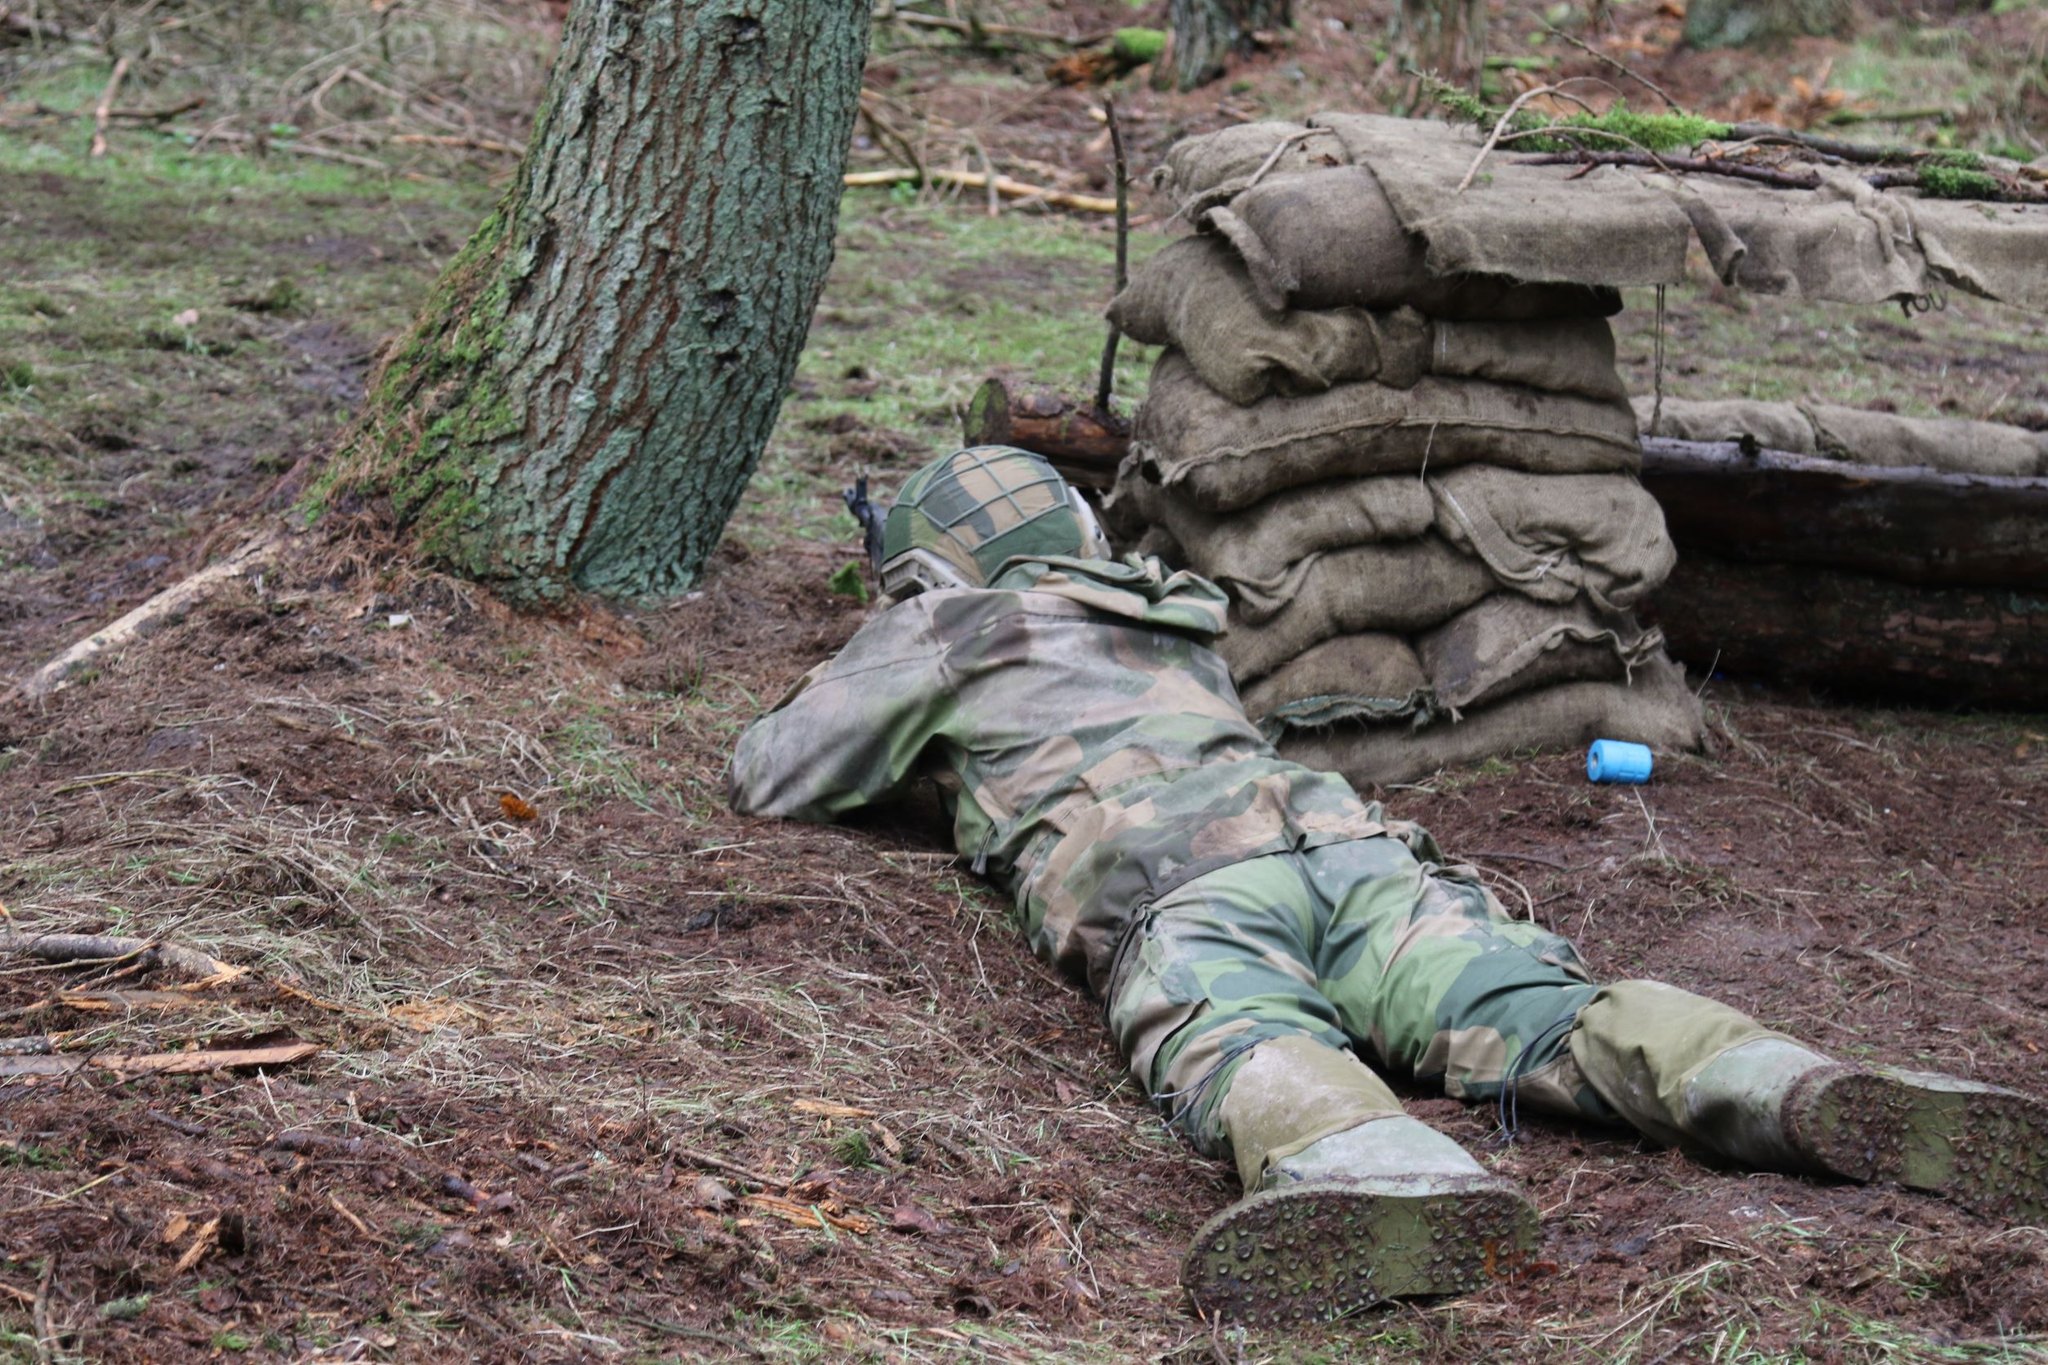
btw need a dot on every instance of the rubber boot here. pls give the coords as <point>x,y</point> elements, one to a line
<point>1776,1104</point>
<point>1337,1220</point>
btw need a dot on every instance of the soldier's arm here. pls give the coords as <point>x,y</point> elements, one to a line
<point>852,730</point>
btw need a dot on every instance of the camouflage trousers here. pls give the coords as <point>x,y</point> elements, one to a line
<point>1356,945</point>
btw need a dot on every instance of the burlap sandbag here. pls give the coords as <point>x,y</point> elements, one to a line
<point>1854,435</point>
<point>1257,546</point>
<point>1655,708</point>
<point>1223,457</point>
<point>1330,239</point>
<point>1370,676</point>
<point>1507,643</point>
<point>1400,587</point>
<point>1948,444</point>
<point>1600,226</point>
<point>1557,537</point>
<point>1773,426</point>
<point>1213,166</point>
<point>1564,355</point>
<point>1196,296</point>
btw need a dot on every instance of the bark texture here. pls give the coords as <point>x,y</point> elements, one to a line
<point>1739,23</point>
<point>583,398</point>
<point>1206,33</point>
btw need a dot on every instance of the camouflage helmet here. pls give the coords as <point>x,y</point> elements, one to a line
<point>960,517</point>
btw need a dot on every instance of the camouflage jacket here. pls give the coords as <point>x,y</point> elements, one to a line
<point>1091,746</point>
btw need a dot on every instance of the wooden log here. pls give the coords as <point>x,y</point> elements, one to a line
<point>1085,445</point>
<point>1857,635</point>
<point>1907,525</point>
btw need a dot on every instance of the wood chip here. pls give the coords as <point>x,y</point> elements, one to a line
<point>159,1063</point>
<point>829,1109</point>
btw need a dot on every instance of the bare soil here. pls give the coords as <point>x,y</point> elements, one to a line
<point>607,1072</point>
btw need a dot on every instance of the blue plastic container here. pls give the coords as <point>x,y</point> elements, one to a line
<point>1617,760</point>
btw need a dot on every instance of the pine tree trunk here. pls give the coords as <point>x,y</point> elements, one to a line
<point>1207,32</point>
<point>1741,23</point>
<point>583,398</point>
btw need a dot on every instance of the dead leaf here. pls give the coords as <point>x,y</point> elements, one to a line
<point>176,1227</point>
<point>516,807</point>
<point>908,1217</point>
<point>188,318</point>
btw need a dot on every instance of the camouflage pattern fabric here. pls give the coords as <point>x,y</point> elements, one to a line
<point>1091,746</point>
<point>1370,943</point>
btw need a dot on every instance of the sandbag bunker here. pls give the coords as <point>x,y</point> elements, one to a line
<point>1389,422</point>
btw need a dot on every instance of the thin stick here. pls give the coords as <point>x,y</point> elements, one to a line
<point>1620,66</point>
<point>1106,378</point>
<point>1762,175</point>
<point>1508,117</point>
<point>104,110</point>
<point>974,180</point>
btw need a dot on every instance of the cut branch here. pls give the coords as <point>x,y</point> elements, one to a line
<point>105,108</point>
<point>172,602</point>
<point>1083,443</point>
<point>64,948</point>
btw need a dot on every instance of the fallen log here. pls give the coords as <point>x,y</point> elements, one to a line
<point>58,949</point>
<point>1857,635</point>
<point>1907,525</point>
<point>1083,443</point>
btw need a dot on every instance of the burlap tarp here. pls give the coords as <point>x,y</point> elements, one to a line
<point>1370,676</point>
<point>1855,436</point>
<point>1196,296</point>
<point>1555,537</point>
<point>1655,708</point>
<point>1258,546</point>
<point>1507,643</point>
<point>1331,239</point>
<point>1401,587</point>
<point>1599,227</point>
<point>1843,242</point>
<point>1222,456</point>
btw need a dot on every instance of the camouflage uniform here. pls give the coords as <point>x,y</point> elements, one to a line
<point>1254,926</point>
<point>1159,850</point>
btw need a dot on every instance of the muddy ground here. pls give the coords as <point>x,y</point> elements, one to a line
<point>608,1073</point>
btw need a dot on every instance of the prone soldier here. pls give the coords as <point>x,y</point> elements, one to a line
<point>1262,937</point>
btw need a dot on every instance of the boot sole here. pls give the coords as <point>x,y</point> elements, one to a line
<point>1978,1146</point>
<point>1327,1249</point>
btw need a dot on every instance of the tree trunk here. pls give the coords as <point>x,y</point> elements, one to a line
<point>584,396</point>
<point>1206,33</point>
<point>1739,23</point>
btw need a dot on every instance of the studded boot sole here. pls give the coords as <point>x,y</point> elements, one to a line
<point>1328,1248</point>
<point>1979,1146</point>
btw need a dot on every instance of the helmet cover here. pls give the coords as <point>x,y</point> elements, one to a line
<point>963,515</point>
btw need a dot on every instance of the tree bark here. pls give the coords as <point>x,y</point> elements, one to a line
<point>1739,23</point>
<point>1206,33</point>
<point>583,398</point>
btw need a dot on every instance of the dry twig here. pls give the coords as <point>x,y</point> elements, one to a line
<point>105,108</point>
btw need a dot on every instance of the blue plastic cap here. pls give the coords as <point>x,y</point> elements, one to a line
<point>1617,760</point>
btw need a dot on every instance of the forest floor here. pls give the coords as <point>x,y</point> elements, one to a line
<point>605,1072</point>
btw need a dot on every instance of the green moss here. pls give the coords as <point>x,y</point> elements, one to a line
<point>1955,182</point>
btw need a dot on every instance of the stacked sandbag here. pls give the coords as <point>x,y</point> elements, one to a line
<point>1419,491</point>
<point>1945,444</point>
